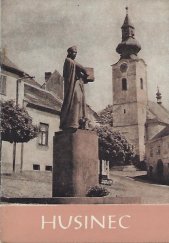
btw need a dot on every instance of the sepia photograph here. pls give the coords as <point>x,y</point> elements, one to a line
<point>84,121</point>
<point>84,101</point>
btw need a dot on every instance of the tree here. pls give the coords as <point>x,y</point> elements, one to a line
<point>16,124</point>
<point>106,116</point>
<point>114,147</point>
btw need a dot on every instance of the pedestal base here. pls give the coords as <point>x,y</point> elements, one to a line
<point>75,163</point>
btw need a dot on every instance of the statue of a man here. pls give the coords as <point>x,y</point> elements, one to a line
<point>73,112</point>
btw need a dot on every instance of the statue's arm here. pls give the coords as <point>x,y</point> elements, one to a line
<point>80,68</point>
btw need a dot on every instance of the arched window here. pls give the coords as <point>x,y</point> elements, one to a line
<point>141,83</point>
<point>124,84</point>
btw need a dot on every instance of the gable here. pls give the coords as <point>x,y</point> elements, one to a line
<point>157,113</point>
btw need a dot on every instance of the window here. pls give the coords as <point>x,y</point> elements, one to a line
<point>158,150</point>
<point>48,168</point>
<point>141,83</point>
<point>36,167</point>
<point>124,84</point>
<point>43,134</point>
<point>2,84</point>
<point>124,111</point>
<point>151,152</point>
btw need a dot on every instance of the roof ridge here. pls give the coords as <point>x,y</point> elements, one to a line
<point>45,91</point>
<point>160,134</point>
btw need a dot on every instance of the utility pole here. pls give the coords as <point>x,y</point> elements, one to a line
<point>18,81</point>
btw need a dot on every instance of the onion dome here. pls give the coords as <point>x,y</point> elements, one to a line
<point>129,47</point>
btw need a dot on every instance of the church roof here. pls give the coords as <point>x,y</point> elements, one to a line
<point>163,133</point>
<point>41,99</point>
<point>92,112</point>
<point>157,113</point>
<point>127,22</point>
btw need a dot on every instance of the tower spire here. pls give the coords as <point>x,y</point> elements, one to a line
<point>129,47</point>
<point>126,10</point>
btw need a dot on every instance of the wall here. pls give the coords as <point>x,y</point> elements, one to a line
<point>40,154</point>
<point>129,106</point>
<point>10,86</point>
<point>152,156</point>
<point>33,152</point>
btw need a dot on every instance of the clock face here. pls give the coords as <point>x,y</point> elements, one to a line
<point>123,67</point>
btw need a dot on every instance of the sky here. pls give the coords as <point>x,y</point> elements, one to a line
<point>37,33</point>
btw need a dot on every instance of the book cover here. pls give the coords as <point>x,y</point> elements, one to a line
<point>84,162</point>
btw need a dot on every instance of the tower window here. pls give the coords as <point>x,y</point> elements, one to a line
<point>158,150</point>
<point>124,84</point>
<point>124,111</point>
<point>141,83</point>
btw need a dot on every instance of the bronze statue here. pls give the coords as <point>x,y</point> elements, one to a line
<point>73,112</point>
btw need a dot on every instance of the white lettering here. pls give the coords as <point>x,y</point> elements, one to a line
<point>60,222</point>
<point>111,222</point>
<point>53,222</point>
<point>86,220</point>
<point>78,222</point>
<point>120,221</point>
<point>101,224</point>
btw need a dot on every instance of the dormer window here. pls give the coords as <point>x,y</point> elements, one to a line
<point>124,84</point>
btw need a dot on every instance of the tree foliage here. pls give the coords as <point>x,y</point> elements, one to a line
<point>16,123</point>
<point>114,147</point>
<point>106,116</point>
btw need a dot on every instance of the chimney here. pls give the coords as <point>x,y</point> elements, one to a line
<point>47,76</point>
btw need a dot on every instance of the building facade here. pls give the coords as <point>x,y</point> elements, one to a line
<point>42,106</point>
<point>130,89</point>
<point>157,156</point>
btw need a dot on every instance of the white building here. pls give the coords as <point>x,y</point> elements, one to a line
<point>43,104</point>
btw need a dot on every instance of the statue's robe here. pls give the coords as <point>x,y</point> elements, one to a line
<point>73,108</point>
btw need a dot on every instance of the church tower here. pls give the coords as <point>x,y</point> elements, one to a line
<point>130,89</point>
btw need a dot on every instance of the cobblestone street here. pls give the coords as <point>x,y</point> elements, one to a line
<point>125,184</point>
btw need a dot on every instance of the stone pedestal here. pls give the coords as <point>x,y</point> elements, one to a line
<point>75,163</point>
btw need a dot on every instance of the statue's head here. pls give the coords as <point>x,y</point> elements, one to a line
<point>72,52</point>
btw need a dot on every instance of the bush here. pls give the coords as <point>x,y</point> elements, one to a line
<point>97,191</point>
<point>114,147</point>
<point>16,123</point>
<point>106,116</point>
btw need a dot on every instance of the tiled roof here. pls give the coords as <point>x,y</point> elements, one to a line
<point>4,60</point>
<point>41,98</point>
<point>157,113</point>
<point>55,84</point>
<point>89,110</point>
<point>9,66</point>
<point>32,82</point>
<point>163,133</point>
